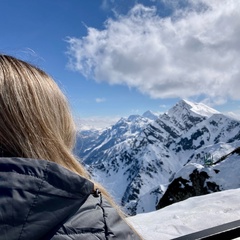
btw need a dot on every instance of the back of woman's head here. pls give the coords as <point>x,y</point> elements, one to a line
<point>35,121</point>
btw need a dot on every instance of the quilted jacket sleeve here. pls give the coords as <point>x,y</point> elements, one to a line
<point>116,227</point>
<point>95,219</point>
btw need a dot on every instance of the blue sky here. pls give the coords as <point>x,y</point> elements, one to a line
<point>114,58</point>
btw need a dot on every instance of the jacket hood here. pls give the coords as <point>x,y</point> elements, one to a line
<point>37,196</point>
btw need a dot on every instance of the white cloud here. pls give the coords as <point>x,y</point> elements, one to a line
<point>95,122</point>
<point>163,106</point>
<point>195,52</point>
<point>100,100</point>
<point>233,115</point>
<point>104,4</point>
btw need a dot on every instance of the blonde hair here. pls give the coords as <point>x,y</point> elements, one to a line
<point>35,119</point>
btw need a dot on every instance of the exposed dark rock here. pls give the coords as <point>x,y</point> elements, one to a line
<point>181,189</point>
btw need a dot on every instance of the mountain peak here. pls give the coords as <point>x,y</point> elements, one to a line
<point>196,108</point>
<point>133,117</point>
<point>149,114</point>
<point>201,109</point>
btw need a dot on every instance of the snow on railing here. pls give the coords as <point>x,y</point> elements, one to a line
<point>225,231</point>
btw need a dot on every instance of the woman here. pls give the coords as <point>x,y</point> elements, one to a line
<point>45,193</point>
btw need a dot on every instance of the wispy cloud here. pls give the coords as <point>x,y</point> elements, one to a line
<point>105,4</point>
<point>100,100</point>
<point>194,52</point>
<point>95,122</point>
<point>163,106</point>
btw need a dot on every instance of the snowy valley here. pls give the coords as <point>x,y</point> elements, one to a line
<point>149,162</point>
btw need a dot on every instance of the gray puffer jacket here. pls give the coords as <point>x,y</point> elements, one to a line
<point>42,200</point>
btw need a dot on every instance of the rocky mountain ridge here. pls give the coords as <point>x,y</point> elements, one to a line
<point>137,158</point>
<point>196,179</point>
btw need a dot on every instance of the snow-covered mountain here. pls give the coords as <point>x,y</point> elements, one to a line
<point>86,139</point>
<point>150,115</point>
<point>98,145</point>
<point>137,158</point>
<point>196,179</point>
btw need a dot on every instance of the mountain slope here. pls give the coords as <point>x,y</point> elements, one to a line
<point>138,166</point>
<point>117,136</point>
<point>196,179</point>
